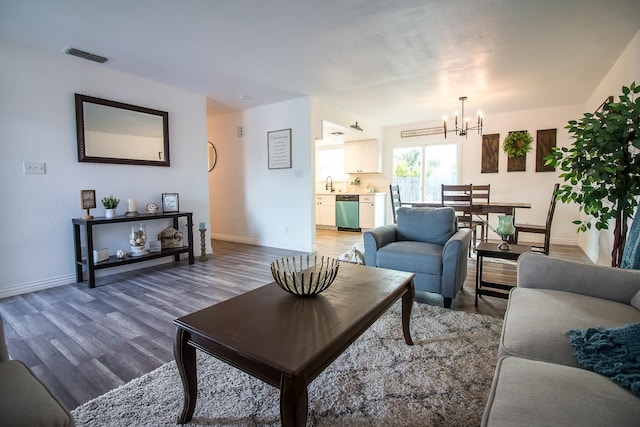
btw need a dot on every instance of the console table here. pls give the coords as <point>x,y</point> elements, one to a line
<point>113,261</point>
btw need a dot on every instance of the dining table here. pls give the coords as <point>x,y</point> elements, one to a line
<point>480,208</point>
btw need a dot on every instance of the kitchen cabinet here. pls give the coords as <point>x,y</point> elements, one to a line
<point>371,210</point>
<point>362,156</point>
<point>326,210</point>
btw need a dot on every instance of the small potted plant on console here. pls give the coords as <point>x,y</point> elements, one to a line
<point>110,204</point>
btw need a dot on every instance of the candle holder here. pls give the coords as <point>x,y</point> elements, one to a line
<point>137,240</point>
<point>505,229</point>
<point>132,208</point>
<point>203,245</point>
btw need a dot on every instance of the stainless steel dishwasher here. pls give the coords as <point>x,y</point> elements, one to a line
<point>347,212</point>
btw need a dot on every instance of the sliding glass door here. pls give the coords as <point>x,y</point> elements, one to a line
<point>420,171</point>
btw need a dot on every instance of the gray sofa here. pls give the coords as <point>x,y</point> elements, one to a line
<point>24,400</point>
<point>426,242</point>
<point>537,380</point>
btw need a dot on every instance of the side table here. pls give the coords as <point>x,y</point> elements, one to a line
<point>490,250</point>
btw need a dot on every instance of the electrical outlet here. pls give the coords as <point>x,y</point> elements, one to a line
<point>38,168</point>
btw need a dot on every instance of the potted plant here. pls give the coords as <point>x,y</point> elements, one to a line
<point>517,144</point>
<point>110,204</point>
<point>602,167</point>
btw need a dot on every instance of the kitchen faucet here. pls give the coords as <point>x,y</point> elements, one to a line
<point>329,184</point>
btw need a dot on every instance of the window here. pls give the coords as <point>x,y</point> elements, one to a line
<point>420,171</point>
<point>330,162</point>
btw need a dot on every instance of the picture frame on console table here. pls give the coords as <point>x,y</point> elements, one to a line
<point>170,202</point>
<point>88,199</point>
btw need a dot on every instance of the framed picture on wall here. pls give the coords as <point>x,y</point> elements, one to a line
<point>279,149</point>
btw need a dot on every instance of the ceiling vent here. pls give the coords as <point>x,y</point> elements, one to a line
<point>85,55</point>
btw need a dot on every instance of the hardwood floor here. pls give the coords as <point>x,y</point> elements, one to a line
<point>83,342</point>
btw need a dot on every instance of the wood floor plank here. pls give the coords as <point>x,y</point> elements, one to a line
<point>84,342</point>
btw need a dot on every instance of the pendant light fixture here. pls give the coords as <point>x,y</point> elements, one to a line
<point>464,125</point>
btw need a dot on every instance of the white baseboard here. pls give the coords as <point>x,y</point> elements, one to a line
<point>236,239</point>
<point>23,288</point>
<point>38,285</point>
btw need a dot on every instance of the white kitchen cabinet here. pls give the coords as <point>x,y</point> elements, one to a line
<point>362,156</point>
<point>371,210</point>
<point>326,210</point>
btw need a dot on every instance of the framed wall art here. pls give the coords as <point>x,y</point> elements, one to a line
<point>279,149</point>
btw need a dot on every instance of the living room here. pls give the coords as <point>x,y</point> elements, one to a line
<point>241,200</point>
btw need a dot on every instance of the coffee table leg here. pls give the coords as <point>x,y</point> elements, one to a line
<point>407,306</point>
<point>185,356</point>
<point>293,401</point>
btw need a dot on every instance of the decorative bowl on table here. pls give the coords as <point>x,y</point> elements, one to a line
<point>305,275</point>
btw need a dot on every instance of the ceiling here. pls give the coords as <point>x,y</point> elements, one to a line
<point>391,61</point>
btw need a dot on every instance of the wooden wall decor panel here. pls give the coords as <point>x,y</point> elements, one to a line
<point>490,151</point>
<point>545,142</point>
<point>517,164</point>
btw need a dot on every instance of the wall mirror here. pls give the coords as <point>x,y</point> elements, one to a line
<point>212,155</point>
<point>114,132</point>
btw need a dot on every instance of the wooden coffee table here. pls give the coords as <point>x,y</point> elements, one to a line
<point>490,250</point>
<point>285,340</point>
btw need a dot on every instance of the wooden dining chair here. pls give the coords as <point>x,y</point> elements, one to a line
<point>540,229</point>
<point>460,198</point>
<point>481,193</point>
<point>395,200</point>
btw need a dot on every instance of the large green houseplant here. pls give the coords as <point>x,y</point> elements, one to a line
<point>601,168</point>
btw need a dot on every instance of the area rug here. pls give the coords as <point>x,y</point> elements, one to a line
<point>443,380</point>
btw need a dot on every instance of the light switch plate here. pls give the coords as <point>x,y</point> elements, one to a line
<point>38,168</point>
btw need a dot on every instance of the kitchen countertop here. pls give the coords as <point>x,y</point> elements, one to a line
<point>336,193</point>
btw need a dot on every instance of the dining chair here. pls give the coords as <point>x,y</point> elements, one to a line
<point>482,193</point>
<point>460,198</point>
<point>540,229</point>
<point>395,200</point>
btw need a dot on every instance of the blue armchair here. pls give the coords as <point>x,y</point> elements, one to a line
<point>426,242</point>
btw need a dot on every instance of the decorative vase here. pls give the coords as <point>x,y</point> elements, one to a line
<point>505,229</point>
<point>137,240</point>
<point>110,213</point>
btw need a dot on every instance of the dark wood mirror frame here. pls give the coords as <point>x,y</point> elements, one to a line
<point>83,156</point>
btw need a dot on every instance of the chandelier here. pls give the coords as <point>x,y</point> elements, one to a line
<point>464,125</point>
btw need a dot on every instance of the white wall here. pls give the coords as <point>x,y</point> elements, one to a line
<point>322,111</point>
<point>598,244</point>
<point>250,203</point>
<point>528,186</point>
<point>37,123</point>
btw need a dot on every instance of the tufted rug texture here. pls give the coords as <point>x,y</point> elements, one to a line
<point>443,380</point>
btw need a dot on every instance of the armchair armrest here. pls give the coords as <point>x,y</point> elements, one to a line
<point>454,262</point>
<point>376,238</point>
<point>542,272</point>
